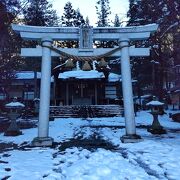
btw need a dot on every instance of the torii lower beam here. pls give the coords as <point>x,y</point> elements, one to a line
<point>37,52</point>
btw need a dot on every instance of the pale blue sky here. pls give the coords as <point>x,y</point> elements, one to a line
<point>87,8</point>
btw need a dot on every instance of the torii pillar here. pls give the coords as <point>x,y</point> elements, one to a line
<point>43,138</point>
<point>130,135</point>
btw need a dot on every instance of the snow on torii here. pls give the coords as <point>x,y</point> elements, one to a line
<point>85,35</point>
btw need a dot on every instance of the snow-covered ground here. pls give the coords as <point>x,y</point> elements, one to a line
<point>157,157</point>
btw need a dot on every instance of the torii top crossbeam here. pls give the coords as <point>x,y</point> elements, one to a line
<point>73,33</point>
<point>85,36</point>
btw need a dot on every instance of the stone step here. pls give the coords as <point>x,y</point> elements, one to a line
<point>86,111</point>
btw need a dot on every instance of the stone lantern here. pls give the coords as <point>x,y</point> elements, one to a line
<point>14,109</point>
<point>156,127</point>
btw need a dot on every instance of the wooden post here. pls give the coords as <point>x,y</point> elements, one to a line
<point>67,93</point>
<point>95,92</point>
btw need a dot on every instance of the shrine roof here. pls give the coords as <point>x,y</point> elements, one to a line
<point>93,74</point>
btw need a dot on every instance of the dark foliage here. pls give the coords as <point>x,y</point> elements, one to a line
<point>163,44</point>
<point>9,46</point>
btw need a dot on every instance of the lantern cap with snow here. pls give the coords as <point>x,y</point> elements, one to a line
<point>14,111</point>
<point>155,106</point>
<point>36,99</point>
<point>15,105</point>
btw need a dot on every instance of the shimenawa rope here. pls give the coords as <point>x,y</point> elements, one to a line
<point>84,58</point>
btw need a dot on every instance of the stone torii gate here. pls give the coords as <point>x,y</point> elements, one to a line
<point>85,36</point>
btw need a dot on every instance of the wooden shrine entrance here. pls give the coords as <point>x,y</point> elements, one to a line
<point>82,93</point>
<point>85,52</point>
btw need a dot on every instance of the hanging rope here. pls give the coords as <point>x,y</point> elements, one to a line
<point>84,58</point>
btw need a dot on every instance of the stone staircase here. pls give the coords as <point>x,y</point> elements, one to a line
<point>85,111</point>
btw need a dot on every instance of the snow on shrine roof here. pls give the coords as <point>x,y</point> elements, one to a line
<point>80,74</point>
<point>155,62</point>
<point>114,77</point>
<point>27,75</point>
<point>176,91</point>
<point>15,104</point>
<point>146,96</point>
<point>155,103</point>
<point>177,65</point>
<point>93,74</point>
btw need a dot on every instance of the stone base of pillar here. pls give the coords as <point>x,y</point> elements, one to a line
<point>42,141</point>
<point>131,138</point>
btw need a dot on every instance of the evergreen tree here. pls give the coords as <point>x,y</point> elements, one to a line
<point>103,11</point>
<point>9,46</point>
<point>166,14</point>
<point>69,15</point>
<point>116,21</point>
<point>78,19</point>
<point>40,13</point>
<point>71,18</point>
<point>37,13</point>
<point>134,9</point>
